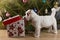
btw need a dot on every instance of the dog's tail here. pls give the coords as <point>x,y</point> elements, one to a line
<point>53,12</point>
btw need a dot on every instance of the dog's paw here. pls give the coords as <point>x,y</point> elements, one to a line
<point>55,32</point>
<point>36,36</point>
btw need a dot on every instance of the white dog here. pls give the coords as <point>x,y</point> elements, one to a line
<point>41,21</point>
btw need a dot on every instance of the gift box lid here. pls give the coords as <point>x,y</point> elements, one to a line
<point>12,19</point>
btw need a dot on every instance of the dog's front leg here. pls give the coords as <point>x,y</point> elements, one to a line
<point>37,31</point>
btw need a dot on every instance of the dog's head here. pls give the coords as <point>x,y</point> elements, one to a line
<point>28,14</point>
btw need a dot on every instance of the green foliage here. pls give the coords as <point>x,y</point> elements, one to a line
<point>15,7</point>
<point>1,25</point>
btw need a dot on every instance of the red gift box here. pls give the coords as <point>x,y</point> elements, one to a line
<point>15,26</point>
<point>11,20</point>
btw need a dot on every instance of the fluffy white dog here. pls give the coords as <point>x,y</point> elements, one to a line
<point>41,21</point>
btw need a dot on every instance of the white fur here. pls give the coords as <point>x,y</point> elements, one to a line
<point>54,10</point>
<point>41,21</point>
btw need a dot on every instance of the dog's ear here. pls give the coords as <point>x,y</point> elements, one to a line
<point>29,13</point>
